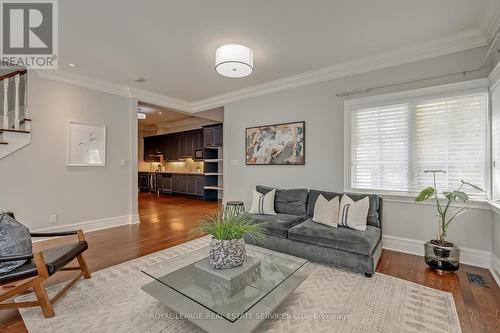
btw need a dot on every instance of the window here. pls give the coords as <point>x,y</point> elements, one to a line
<point>495,110</point>
<point>393,138</point>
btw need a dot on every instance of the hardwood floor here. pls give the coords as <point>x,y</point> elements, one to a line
<point>169,220</point>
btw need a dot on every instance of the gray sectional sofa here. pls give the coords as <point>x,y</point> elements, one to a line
<point>294,232</point>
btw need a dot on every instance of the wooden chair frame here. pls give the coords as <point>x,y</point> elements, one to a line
<point>36,282</point>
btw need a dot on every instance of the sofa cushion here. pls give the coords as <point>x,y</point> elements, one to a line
<point>291,201</point>
<point>345,239</point>
<point>277,225</point>
<point>263,203</point>
<point>373,215</point>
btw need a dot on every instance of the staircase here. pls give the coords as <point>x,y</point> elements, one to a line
<point>15,124</point>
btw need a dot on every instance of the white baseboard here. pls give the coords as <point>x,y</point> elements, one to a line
<point>495,268</point>
<point>94,225</point>
<point>467,256</point>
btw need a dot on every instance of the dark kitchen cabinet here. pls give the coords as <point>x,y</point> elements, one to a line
<point>212,136</point>
<point>172,143</point>
<point>143,182</point>
<point>188,184</point>
<point>185,145</point>
<point>176,183</point>
<point>198,140</point>
<point>173,146</point>
<point>152,146</point>
<point>199,182</point>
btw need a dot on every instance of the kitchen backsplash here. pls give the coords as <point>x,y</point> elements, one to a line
<point>188,165</point>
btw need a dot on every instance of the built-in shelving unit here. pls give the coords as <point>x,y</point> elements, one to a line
<point>212,154</point>
<point>217,188</point>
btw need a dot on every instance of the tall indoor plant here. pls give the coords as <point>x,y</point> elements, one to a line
<point>227,247</point>
<point>441,254</point>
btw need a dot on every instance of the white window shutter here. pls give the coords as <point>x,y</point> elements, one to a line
<point>392,144</point>
<point>495,129</point>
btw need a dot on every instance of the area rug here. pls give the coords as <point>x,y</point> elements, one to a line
<point>329,300</point>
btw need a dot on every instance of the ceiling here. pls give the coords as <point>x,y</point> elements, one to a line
<point>171,43</point>
<point>156,114</point>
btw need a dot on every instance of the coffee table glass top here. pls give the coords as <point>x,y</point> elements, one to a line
<point>228,293</point>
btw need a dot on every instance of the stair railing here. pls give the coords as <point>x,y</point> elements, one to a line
<point>6,123</point>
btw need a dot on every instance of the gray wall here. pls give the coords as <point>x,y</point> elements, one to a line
<point>496,235</point>
<point>35,181</point>
<point>324,169</point>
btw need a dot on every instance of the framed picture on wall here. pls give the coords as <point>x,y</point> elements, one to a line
<point>87,144</point>
<point>280,144</point>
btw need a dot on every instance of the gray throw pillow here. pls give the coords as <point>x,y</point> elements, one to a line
<point>15,240</point>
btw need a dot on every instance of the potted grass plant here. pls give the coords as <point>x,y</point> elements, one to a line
<point>227,247</point>
<point>441,254</point>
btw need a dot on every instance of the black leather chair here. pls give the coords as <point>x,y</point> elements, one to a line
<point>39,267</point>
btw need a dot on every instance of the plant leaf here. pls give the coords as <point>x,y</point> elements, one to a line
<point>448,195</point>
<point>425,194</point>
<point>473,186</point>
<point>461,195</point>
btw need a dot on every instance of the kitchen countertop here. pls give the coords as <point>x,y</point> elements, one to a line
<point>177,172</point>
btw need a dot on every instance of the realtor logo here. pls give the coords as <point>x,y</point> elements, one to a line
<point>29,34</point>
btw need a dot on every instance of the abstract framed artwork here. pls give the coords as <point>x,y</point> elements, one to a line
<point>87,144</point>
<point>280,144</point>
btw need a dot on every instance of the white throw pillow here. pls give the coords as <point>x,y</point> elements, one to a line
<point>353,214</point>
<point>326,212</point>
<point>263,204</point>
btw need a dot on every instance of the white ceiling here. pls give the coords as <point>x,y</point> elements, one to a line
<point>171,43</point>
<point>156,114</point>
<point>160,115</point>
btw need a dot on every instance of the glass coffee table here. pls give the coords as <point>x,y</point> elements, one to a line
<point>235,300</point>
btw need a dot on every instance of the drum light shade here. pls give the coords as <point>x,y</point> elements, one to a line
<point>234,60</point>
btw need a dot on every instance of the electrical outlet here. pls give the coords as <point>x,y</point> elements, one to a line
<point>123,163</point>
<point>53,218</point>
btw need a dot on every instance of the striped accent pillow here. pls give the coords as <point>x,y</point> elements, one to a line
<point>263,204</point>
<point>353,214</point>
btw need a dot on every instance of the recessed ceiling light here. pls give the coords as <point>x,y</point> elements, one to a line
<point>233,60</point>
<point>73,65</point>
<point>159,112</point>
<point>139,79</point>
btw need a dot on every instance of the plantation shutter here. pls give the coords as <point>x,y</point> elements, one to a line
<point>495,128</point>
<point>392,145</point>
<point>380,148</point>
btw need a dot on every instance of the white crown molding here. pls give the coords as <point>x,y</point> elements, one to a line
<point>457,42</point>
<point>115,89</point>
<point>450,44</point>
<point>160,100</point>
<point>494,77</point>
<point>467,256</point>
<point>186,122</point>
<point>84,81</point>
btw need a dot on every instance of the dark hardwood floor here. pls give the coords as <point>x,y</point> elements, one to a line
<point>170,220</point>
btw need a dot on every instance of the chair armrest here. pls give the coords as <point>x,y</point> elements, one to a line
<point>16,258</point>
<point>53,234</point>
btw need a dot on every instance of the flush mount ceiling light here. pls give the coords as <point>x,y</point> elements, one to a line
<point>138,79</point>
<point>233,60</point>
